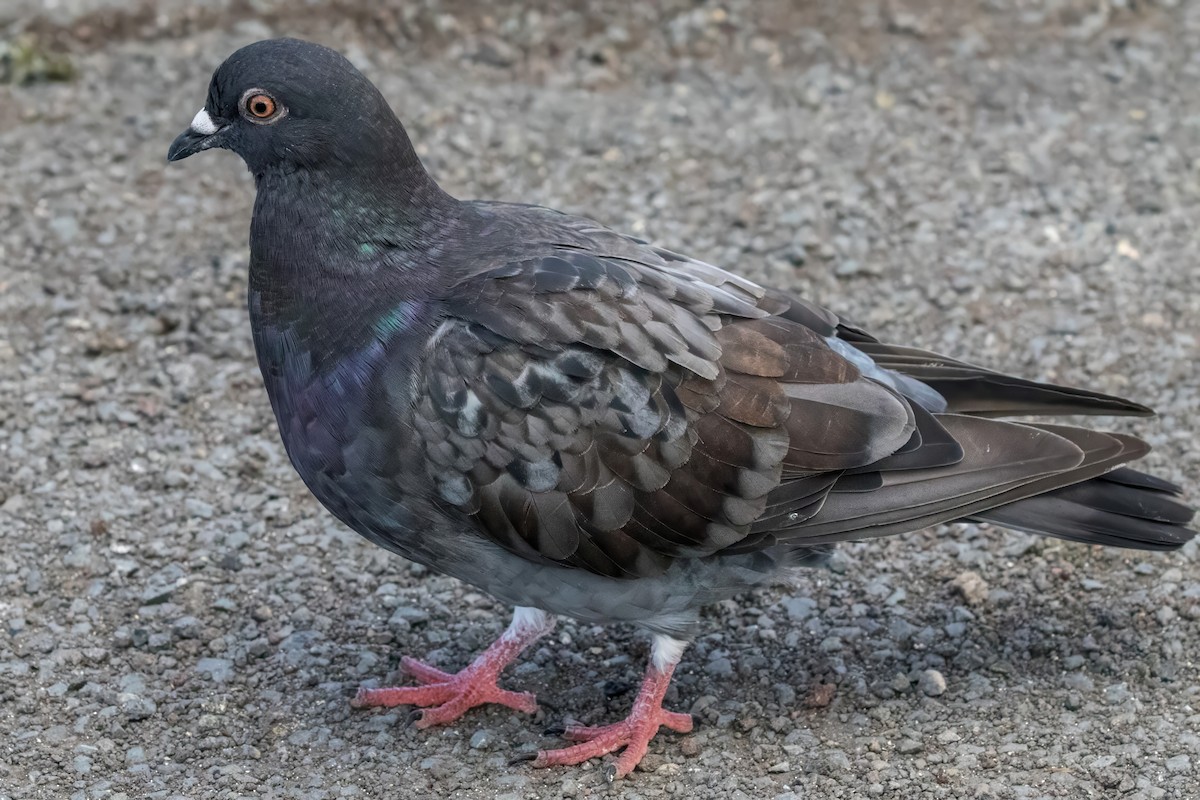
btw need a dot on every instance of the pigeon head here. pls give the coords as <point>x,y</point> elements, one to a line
<point>287,104</point>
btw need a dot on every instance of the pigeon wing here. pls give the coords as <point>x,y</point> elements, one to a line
<point>608,405</point>
<point>613,414</point>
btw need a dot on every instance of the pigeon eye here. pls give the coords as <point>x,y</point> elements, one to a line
<point>259,106</point>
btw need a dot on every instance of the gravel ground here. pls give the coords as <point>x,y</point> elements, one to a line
<point>178,618</point>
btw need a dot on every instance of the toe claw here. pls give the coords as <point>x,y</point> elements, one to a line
<point>555,730</point>
<point>523,758</point>
<point>414,716</point>
<point>610,773</point>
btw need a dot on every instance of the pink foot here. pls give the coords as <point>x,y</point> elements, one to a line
<point>633,733</point>
<point>446,697</point>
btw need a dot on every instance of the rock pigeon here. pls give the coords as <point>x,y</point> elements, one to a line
<point>581,423</point>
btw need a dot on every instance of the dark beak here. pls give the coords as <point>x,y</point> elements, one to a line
<point>192,141</point>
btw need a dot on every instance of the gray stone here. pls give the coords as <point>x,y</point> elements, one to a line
<point>136,707</point>
<point>1117,693</point>
<point>932,683</point>
<point>719,667</point>
<point>162,584</point>
<point>218,669</point>
<point>1179,763</point>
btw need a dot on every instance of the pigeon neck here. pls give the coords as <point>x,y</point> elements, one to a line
<point>346,218</point>
<point>392,198</point>
<point>332,250</point>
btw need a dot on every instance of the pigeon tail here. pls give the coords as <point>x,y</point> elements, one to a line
<point>1122,508</point>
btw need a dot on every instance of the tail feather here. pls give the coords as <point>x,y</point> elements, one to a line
<point>1056,480</point>
<point>1123,508</point>
<point>1131,477</point>
<point>1097,501</point>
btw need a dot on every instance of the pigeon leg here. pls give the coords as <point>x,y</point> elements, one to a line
<point>635,731</point>
<point>448,696</point>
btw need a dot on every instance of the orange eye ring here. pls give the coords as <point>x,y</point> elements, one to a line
<point>260,106</point>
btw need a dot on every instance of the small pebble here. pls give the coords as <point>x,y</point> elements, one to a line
<point>836,761</point>
<point>196,507</point>
<point>932,683</point>
<point>971,586</point>
<point>820,695</point>
<point>1179,763</point>
<point>1117,693</point>
<point>719,667</point>
<point>218,669</point>
<point>135,707</point>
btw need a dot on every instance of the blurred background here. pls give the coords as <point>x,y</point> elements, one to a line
<point>1012,181</point>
